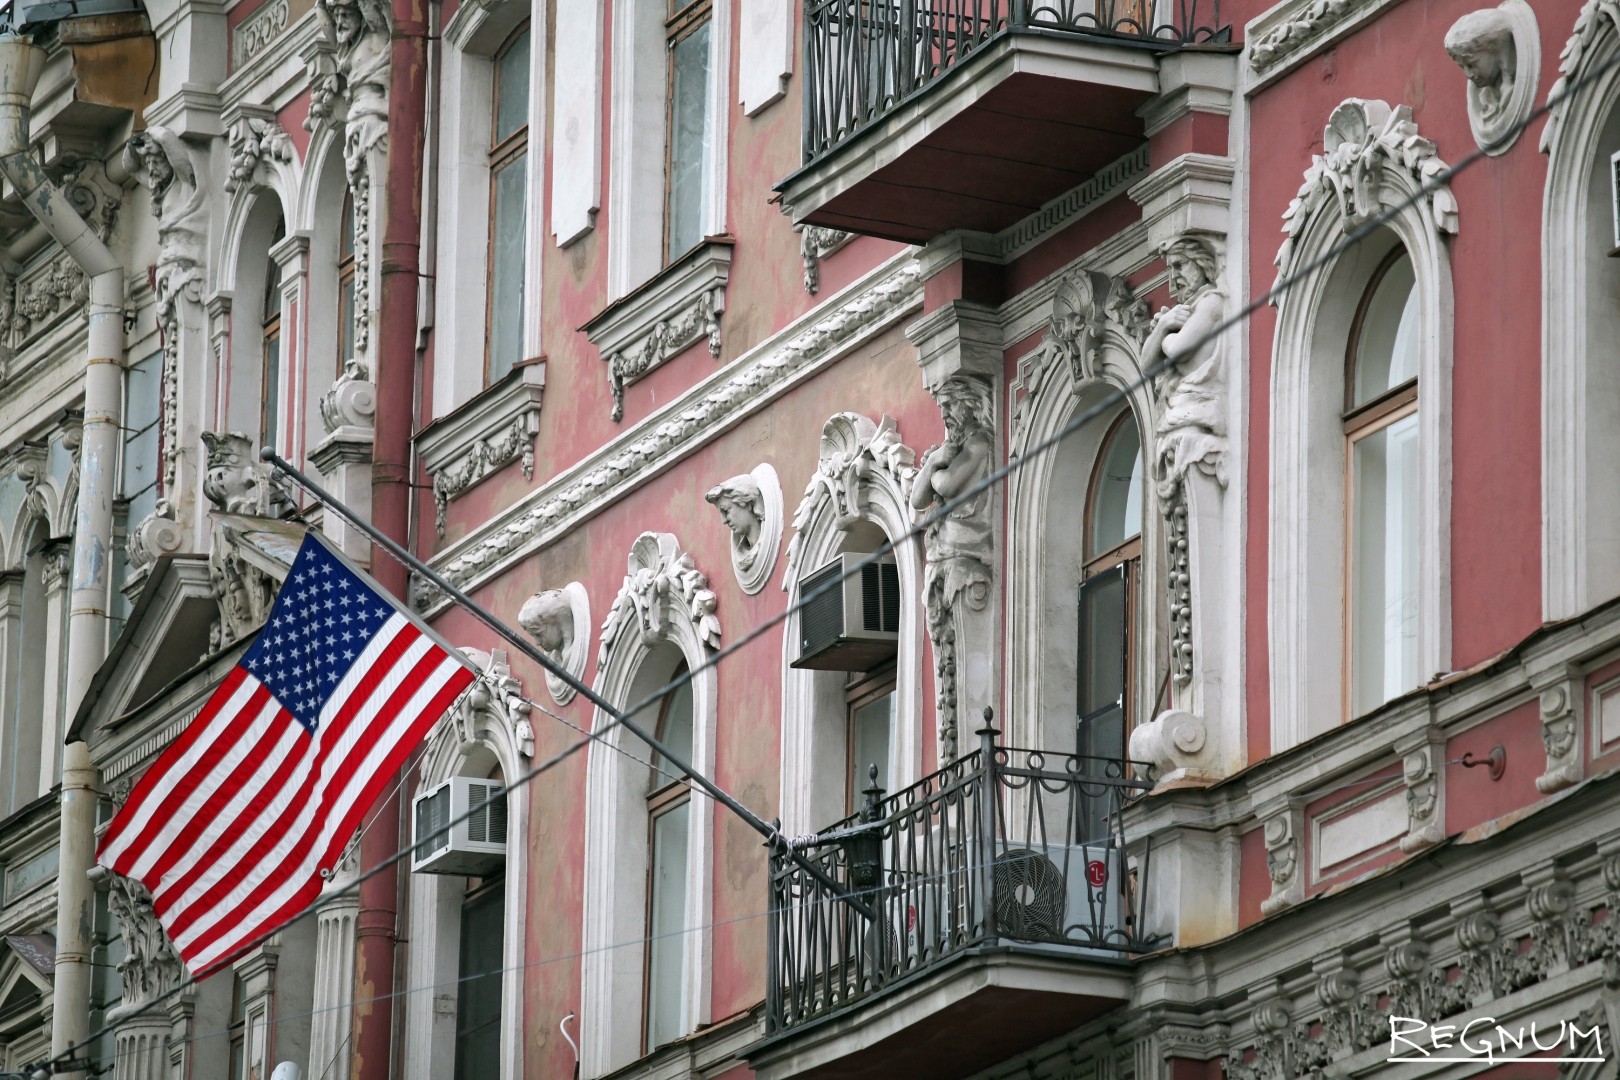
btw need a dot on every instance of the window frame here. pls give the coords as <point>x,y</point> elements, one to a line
<point>682,20</point>
<point>346,284</point>
<point>1126,557</point>
<point>863,688</point>
<point>504,152</point>
<point>662,798</point>
<point>270,332</point>
<point>1361,421</point>
<point>480,891</point>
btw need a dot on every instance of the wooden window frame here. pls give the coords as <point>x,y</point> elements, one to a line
<point>502,152</point>
<point>661,799</point>
<point>682,21</point>
<point>1127,554</point>
<point>1361,420</point>
<point>862,689</point>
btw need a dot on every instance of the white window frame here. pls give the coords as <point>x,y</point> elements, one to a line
<point>636,200</point>
<point>1308,459</point>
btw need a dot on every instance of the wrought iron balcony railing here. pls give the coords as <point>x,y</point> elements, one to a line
<point>1003,846</point>
<point>865,57</point>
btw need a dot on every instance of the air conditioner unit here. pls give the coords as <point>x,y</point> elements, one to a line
<point>474,846</point>
<point>1053,894</point>
<point>851,618</point>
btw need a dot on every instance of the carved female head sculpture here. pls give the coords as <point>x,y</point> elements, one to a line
<point>1499,49</point>
<point>751,507</point>
<point>559,620</point>
<point>549,618</point>
<point>742,506</point>
<point>1481,43</point>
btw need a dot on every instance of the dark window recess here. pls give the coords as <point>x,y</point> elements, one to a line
<point>1100,723</point>
<point>478,1008</point>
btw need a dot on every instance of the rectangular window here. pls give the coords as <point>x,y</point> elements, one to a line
<point>346,311</point>
<point>508,206</point>
<point>1104,679</point>
<point>687,125</point>
<point>666,930</point>
<point>238,1032</point>
<point>478,999</point>
<point>1384,561</point>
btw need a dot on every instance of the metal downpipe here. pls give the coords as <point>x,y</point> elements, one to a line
<point>20,65</point>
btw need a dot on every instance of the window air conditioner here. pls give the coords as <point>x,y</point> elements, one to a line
<point>855,624</point>
<point>1053,895</point>
<point>472,847</point>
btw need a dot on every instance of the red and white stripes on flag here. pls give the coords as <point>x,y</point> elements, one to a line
<point>232,826</point>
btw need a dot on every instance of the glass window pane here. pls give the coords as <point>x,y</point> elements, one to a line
<point>1384,573</point>
<point>666,956</point>
<point>1102,664</point>
<point>271,416</point>
<point>512,88</point>
<point>478,1005</point>
<point>675,731</point>
<point>507,228</point>
<point>1386,342</point>
<point>688,139</point>
<point>345,321</point>
<point>1116,508</point>
<point>868,746</point>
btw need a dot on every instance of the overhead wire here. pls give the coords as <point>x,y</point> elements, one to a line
<point>1110,400</point>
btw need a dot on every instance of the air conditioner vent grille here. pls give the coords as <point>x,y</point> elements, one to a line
<point>432,815</point>
<point>822,619</point>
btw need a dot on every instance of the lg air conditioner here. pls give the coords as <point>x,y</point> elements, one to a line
<point>851,615</point>
<point>1054,895</point>
<point>472,847</point>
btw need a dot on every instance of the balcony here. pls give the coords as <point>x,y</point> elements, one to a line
<point>1000,910</point>
<point>927,115</point>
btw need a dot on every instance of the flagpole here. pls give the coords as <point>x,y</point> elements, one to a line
<point>772,835</point>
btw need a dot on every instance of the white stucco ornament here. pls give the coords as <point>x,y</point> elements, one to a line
<point>751,506</point>
<point>559,620</point>
<point>1499,49</point>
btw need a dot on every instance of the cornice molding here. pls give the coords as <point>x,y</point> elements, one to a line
<point>702,414</point>
<point>1297,30</point>
<point>483,435</point>
<point>665,316</point>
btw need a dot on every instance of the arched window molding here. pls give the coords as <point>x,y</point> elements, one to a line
<point>490,726</point>
<point>662,617</point>
<point>237,378</point>
<point>1373,159</point>
<point>1093,349</point>
<point>475,36</point>
<point>1580,548</point>
<point>862,485</point>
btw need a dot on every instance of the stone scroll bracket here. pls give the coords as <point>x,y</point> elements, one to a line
<point>1423,769</point>
<point>1284,831</point>
<point>1562,701</point>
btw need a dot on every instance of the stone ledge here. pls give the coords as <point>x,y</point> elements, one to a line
<point>674,309</point>
<point>480,436</point>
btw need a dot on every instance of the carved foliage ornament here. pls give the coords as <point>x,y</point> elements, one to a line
<point>1316,19</point>
<point>1372,157</point>
<point>1595,17</point>
<point>236,484</point>
<point>254,140</point>
<point>855,454</point>
<point>751,507</point>
<point>698,319</point>
<point>661,584</point>
<point>515,442</point>
<point>151,967</point>
<point>815,244</point>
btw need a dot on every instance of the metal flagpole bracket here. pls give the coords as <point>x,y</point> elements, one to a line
<point>774,839</point>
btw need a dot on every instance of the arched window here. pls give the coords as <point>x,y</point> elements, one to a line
<point>508,184</point>
<point>270,330</point>
<point>669,826</point>
<point>345,271</point>
<point>1381,503</point>
<point>1109,585</point>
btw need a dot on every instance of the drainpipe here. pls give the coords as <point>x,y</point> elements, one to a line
<point>21,63</point>
<point>377,929</point>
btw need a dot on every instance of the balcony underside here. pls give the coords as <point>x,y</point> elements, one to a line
<point>954,1020</point>
<point>1027,118</point>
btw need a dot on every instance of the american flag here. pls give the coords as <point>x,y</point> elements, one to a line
<point>232,826</point>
